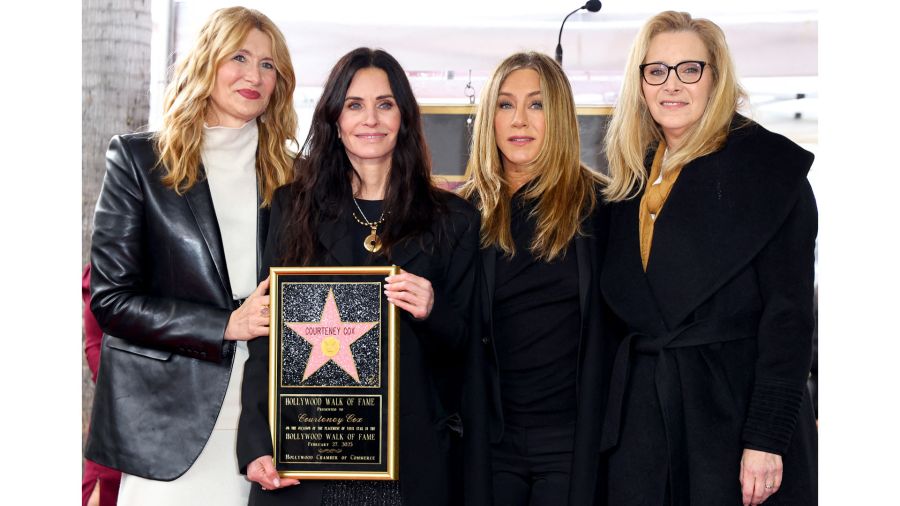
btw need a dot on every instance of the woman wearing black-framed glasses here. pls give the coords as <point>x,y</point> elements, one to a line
<point>710,267</point>
<point>657,73</point>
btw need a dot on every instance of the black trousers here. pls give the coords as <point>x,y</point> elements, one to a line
<point>532,466</point>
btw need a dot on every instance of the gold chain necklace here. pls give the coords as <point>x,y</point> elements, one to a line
<point>372,242</point>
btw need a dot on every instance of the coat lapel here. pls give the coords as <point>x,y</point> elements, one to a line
<point>488,264</point>
<point>721,212</point>
<point>262,228</point>
<point>623,282</point>
<point>199,200</point>
<point>336,241</point>
<point>583,255</point>
<point>404,252</point>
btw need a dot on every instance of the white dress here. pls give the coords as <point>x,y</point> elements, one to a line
<point>229,156</point>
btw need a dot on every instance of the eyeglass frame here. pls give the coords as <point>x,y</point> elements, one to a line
<point>670,68</point>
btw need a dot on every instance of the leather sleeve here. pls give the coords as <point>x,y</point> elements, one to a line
<point>122,299</point>
<point>785,273</point>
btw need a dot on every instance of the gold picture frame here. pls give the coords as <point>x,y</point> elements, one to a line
<point>333,373</point>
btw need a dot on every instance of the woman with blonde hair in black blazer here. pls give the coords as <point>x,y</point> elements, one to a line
<point>177,237</point>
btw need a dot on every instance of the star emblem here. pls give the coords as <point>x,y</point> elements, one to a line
<point>331,339</point>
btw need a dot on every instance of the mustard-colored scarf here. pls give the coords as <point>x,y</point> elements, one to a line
<point>652,201</point>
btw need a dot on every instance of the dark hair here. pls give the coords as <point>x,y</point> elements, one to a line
<point>322,189</point>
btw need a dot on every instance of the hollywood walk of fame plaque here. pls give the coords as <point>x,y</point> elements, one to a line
<point>333,373</point>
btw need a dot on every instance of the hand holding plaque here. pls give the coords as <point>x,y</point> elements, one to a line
<point>411,293</point>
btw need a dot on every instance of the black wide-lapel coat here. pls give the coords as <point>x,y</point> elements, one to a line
<point>433,353</point>
<point>595,352</point>
<point>160,292</point>
<point>719,329</point>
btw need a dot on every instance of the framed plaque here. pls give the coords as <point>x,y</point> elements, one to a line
<point>333,373</point>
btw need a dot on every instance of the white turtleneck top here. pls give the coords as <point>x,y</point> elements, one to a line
<point>229,156</point>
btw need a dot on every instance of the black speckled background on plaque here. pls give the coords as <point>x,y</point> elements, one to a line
<point>303,302</point>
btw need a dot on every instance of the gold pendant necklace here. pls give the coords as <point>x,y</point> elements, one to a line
<point>372,242</point>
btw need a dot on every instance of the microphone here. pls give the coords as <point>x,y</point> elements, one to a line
<point>591,6</point>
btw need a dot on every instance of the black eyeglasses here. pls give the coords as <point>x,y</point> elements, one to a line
<point>688,72</point>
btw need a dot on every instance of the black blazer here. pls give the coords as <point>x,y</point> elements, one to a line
<point>432,354</point>
<point>161,294</point>
<point>720,325</point>
<point>595,351</point>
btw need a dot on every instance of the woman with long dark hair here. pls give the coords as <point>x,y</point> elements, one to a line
<point>364,196</point>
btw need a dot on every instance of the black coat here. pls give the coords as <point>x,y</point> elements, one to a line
<point>161,294</point>
<point>432,353</point>
<point>720,328</point>
<point>595,352</point>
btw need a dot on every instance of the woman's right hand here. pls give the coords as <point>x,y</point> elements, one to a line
<point>251,320</point>
<point>262,471</point>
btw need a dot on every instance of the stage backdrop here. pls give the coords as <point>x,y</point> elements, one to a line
<point>448,133</point>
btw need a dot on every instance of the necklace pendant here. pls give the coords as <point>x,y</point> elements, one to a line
<point>372,242</point>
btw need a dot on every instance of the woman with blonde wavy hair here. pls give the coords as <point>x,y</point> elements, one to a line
<point>709,265</point>
<point>178,232</point>
<point>542,230</point>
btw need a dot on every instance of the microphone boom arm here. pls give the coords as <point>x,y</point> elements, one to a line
<point>592,6</point>
<point>559,51</point>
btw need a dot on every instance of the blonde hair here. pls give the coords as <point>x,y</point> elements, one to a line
<point>632,130</point>
<point>186,102</point>
<point>562,186</point>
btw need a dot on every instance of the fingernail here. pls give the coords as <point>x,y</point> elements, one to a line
<point>277,482</point>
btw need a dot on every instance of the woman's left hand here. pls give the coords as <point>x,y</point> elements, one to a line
<point>761,474</point>
<point>411,293</point>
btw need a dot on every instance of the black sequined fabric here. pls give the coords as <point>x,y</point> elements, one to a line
<point>362,493</point>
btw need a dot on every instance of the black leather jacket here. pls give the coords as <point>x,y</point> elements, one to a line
<point>161,294</point>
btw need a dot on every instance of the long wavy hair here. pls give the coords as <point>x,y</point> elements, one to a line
<point>632,130</point>
<point>187,100</point>
<point>323,190</point>
<point>561,185</point>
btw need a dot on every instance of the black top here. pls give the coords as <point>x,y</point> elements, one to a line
<point>537,327</point>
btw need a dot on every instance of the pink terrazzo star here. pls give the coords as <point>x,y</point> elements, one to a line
<point>331,339</point>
